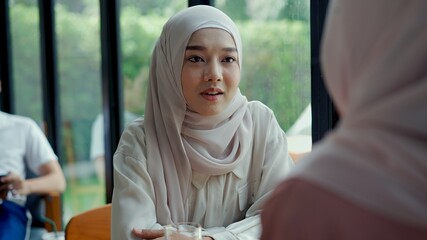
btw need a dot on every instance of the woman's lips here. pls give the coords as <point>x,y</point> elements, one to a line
<point>212,94</point>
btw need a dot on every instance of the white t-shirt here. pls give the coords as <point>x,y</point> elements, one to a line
<point>97,147</point>
<point>22,143</point>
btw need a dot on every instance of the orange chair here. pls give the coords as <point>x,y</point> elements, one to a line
<point>90,225</point>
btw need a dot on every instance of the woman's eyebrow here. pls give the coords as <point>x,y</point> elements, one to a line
<point>198,47</point>
<point>230,49</point>
<point>195,47</point>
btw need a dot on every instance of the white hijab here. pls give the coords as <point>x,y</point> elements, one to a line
<point>374,57</point>
<point>178,140</point>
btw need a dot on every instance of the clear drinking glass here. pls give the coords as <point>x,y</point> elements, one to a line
<point>177,231</point>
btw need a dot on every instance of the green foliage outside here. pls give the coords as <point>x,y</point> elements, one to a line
<point>275,69</point>
<point>25,41</point>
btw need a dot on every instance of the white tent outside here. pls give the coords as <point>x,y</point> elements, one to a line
<point>299,134</point>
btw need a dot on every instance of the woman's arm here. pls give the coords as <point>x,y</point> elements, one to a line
<point>133,204</point>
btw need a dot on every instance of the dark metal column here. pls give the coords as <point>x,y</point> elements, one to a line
<point>112,87</point>
<point>201,2</point>
<point>50,90</point>
<point>323,111</point>
<point>6,101</point>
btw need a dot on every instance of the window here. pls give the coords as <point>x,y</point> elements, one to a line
<point>25,38</point>
<point>79,74</point>
<point>276,61</point>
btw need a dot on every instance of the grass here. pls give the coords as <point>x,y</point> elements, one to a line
<point>82,194</point>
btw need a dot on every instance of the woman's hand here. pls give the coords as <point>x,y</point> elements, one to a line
<point>148,233</point>
<point>159,235</point>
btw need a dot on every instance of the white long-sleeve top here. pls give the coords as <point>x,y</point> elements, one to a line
<point>227,206</point>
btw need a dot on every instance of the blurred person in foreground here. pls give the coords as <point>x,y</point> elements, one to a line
<point>367,179</point>
<point>23,144</point>
<point>203,153</point>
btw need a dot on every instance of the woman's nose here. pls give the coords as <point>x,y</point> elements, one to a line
<point>213,72</point>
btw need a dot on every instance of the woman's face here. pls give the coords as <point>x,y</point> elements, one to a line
<point>211,73</point>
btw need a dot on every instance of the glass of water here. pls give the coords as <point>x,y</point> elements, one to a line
<point>183,230</point>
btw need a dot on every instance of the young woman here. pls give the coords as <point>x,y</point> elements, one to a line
<point>202,152</point>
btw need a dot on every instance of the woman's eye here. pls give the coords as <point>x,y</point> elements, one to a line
<point>195,59</point>
<point>229,59</point>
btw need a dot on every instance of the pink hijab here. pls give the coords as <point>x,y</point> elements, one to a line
<point>374,57</point>
<point>179,141</point>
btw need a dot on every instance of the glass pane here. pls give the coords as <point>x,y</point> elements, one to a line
<point>79,73</point>
<point>25,40</point>
<point>276,61</point>
<point>141,23</point>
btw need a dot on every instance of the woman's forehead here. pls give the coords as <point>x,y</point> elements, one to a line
<point>212,35</point>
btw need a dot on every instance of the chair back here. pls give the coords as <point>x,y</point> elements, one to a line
<point>92,224</point>
<point>44,206</point>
